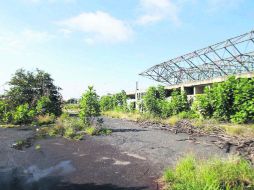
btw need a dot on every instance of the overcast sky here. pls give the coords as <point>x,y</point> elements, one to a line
<point>107,43</point>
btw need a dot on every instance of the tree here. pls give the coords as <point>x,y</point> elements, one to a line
<point>29,87</point>
<point>151,101</point>
<point>120,100</point>
<point>89,105</point>
<point>107,103</point>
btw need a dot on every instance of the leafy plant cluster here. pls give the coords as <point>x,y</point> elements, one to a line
<point>216,174</point>
<point>155,102</point>
<point>115,102</point>
<point>232,100</point>
<point>30,95</point>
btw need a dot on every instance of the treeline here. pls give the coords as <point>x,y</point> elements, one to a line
<point>30,95</point>
<point>232,100</point>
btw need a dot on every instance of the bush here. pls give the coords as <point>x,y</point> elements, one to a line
<point>179,102</point>
<point>43,105</point>
<point>23,114</point>
<point>166,109</point>
<point>215,174</point>
<point>151,102</point>
<point>89,106</point>
<point>91,131</point>
<point>46,119</point>
<point>243,104</point>
<point>106,103</point>
<point>132,107</point>
<point>188,115</point>
<point>232,100</point>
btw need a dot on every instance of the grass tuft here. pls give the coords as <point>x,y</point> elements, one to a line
<point>233,173</point>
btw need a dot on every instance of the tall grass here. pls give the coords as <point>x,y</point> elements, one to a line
<point>214,174</point>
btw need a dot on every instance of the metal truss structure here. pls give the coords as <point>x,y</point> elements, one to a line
<point>230,57</point>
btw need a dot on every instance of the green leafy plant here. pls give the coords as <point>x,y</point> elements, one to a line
<point>89,106</point>
<point>216,174</point>
<point>107,103</point>
<point>23,114</point>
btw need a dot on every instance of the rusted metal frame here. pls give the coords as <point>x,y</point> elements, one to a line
<point>237,59</point>
<point>172,70</point>
<point>205,63</point>
<point>191,63</point>
<point>182,69</point>
<point>153,77</point>
<point>215,64</point>
<point>165,79</point>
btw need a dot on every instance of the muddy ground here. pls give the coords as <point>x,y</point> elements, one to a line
<point>130,158</point>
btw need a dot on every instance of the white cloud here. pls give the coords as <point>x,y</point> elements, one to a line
<point>15,42</point>
<point>158,10</point>
<point>98,27</point>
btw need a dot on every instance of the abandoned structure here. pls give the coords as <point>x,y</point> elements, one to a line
<point>194,71</point>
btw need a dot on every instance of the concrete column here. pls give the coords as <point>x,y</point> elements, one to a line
<point>182,88</point>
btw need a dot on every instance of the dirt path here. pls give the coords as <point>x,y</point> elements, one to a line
<point>130,158</point>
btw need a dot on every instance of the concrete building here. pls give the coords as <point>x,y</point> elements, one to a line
<point>194,71</point>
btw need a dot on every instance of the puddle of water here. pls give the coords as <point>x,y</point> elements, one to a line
<point>35,174</point>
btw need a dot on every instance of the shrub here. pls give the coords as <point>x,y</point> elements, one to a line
<point>30,87</point>
<point>166,109</point>
<point>46,119</point>
<point>230,100</point>
<point>89,106</point>
<point>120,101</point>
<point>215,174</point>
<point>243,104</point>
<point>132,107</point>
<point>106,103</point>
<point>179,102</point>
<point>91,131</point>
<point>23,114</point>
<point>151,102</point>
<point>203,104</point>
<point>188,115</point>
<point>43,105</point>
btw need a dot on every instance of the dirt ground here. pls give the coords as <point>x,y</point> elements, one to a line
<point>130,158</point>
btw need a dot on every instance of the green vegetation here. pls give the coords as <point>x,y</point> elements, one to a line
<point>89,106</point>
<point>228,105</point>
<point>31,95</point>
<point>215,174</point>
<point>232,100</point>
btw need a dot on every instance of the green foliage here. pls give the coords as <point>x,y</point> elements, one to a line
<point>97,131</point>
<point>188,115</point>
<point>243,104</point>
<point>179,102</point>
<point>89,105</point>
<point>43,106</point>
<point>68,127</point>
<point>29,88</point>
<point>120,100</point>
<point>215,174</point>
<point>91,131</point>
<point>107,103</point>
<point>23,114</point>
<point>105,131</point>
<point>157,105</point>
<point>152,101</point>
<point>166,108</point>
<point>230,100</point>
<point>132,107</point>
